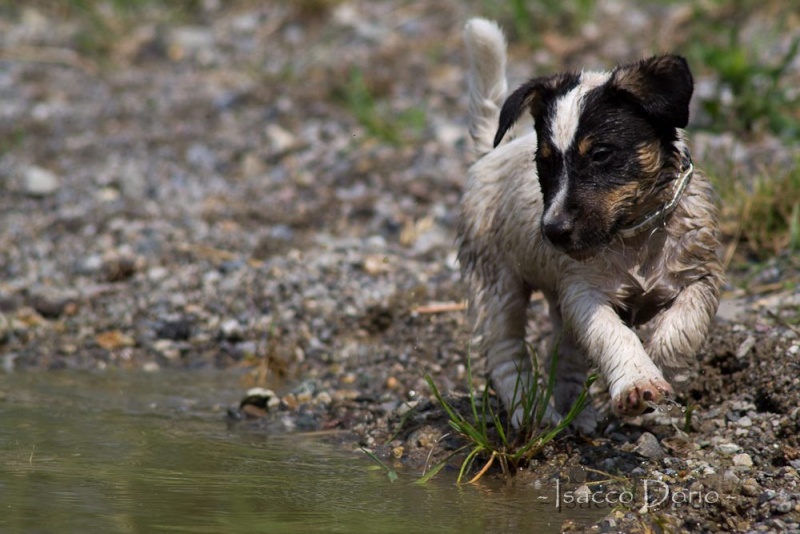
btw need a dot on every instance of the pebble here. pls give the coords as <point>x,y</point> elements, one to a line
<point>232,330</point>
<point>727,448</point>
<point>746,346</point>
<point>324,398</point>
<point>742,460</point>
<point>176,330</point>
<point>167,348</point>
<point>51,302</point>
<point>782,504</point>
<point>279,139</point>
<point>5,328</point>
<point>190,38</point>
<point>90,265</point>
<point>744,422</point>
<point>40,182</point>
<point>750,488</point>
<point>730,481</point>
<point>648,446</point>
<point>582,493</point>
<point>766,496</point>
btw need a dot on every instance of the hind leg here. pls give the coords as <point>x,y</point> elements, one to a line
<point>572,369</point>
<point>500,310</point>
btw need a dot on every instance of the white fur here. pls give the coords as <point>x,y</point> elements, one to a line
<point>557,205</point>
<point>486,49</point>
<point>568,109</point>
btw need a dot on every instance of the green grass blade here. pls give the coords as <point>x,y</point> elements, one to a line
<point>391,474</point>
<point>433,471</point>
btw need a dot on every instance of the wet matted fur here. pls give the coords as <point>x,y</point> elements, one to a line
<point>600,210</point>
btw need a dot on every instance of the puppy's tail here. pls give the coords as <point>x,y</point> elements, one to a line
<point>486,50</point>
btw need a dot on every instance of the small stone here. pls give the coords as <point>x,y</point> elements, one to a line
<point>745,347</point>
<point>119,266</point>
<point>89,265</point>
<point>744,422</point>
<point>779,525</point>
<point>189,39</point>
<point>157,274</point>
<point>151,367</point>
<point>648,446</point>
<point>258,401</point>
<point>39,182</point>
<point>232,330</point>
<point>729,480</point>
<point>742,460</point>
<point>742,406</point>
<point>377,264</point>
<point>638,472</point>
<point>766,496</point>
<point>750,488</point>
<point>200,156</point>
<point>280,140</point>
<point>50,302</point>
<point>5,328</point>
<point>176,330</point>
<point>290,400</point>
<point>782,504</point>
<point>114,339</point>
<point>323,398</point>
<point>107,194</point>
<point>727,448</point>
<point>582,493</point>
<point>167,348</point>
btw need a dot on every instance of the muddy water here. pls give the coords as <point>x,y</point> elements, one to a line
<point>152,452</point>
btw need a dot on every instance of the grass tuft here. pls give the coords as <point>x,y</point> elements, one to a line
<point>762,214</point>
<point>491,439</point>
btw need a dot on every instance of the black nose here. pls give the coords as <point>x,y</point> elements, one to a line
<point>558,231</point>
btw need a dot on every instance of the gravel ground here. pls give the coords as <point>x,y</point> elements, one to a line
<point>250,189</point>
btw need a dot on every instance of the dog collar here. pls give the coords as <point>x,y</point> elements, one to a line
<point>683,180</point>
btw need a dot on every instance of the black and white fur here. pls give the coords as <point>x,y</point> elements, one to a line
<point>548,210</point>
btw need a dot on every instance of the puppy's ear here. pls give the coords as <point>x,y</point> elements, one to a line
<point>533,95</point>
<point>662,86</point>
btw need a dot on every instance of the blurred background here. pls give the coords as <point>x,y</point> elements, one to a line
<point>268,177</point>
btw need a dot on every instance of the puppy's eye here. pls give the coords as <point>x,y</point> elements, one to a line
<point>601,154</point>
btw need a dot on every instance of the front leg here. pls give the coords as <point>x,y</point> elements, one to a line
<point>633,379</point>
<point>680,331</point>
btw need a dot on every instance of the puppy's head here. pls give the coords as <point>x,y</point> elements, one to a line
<point>606,146</point>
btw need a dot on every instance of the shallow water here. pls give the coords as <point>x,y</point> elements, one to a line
<point>132,452</point>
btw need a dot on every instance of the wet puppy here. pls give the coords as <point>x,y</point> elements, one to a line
<point>601,210</point>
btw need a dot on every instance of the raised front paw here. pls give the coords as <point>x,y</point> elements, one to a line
<point>636,397</point>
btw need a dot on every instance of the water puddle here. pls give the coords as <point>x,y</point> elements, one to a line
<point>128,452</point>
